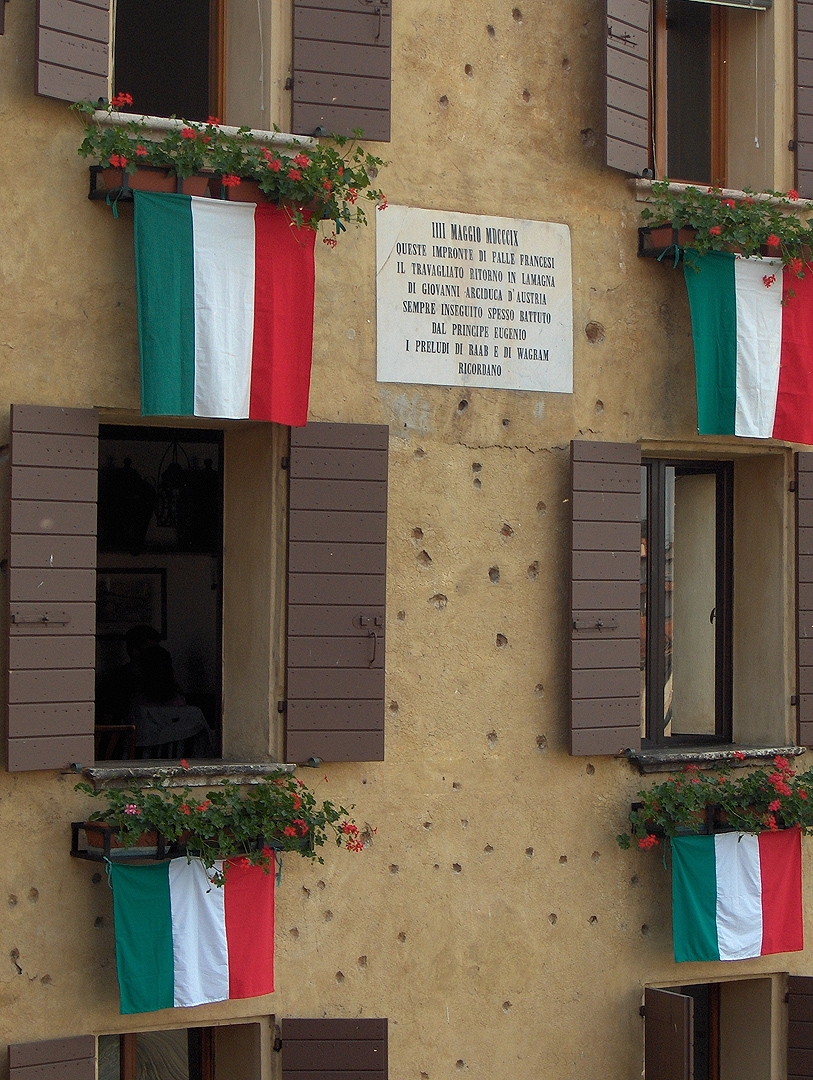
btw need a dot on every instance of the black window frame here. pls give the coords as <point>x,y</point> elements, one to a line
<point>653,601</point>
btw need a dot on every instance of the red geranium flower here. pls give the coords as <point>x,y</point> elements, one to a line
<point>793,194</point>
<point>773,239</point>
<point>188,133</point>
<point>117,161</point>
<point>739,755</point>
<point>648,842</point>
<point>775,804</point>
<point>294,174</point>
<point>229,181</point>
<point>331,241</point>
<point>728,202</point>
<point>289,830</point>
<point>302,161</point>
<point>213,120</point>
<point>715,230</point>
<point>141,151</point>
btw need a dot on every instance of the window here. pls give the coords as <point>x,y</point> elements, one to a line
<point>712,1031</point>
<point>302,591</point>
<point>239,61</point>
<point>692,89</point>
<point>686,601</point>
<point>209,1053</point>
<point>681,601</point>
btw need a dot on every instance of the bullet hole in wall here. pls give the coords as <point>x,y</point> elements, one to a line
<point>565,65</point>
<point>478,483</point>
<point>98,922</point>
<point>401,616</point>
<point>424,558</point>
<point>294,932</point>
<point>591,769</point>
<point>506,422</point>
<point>634,880</point>
<point>402,937</point>
<point>457,868</point>
<point>96,879</point>
<point>436,866</point>
<point>306,893</point>
<point>460,1064</point>
<point>464,823</point>
<point>339,977</point>
<point>33,895</point>
<point>533,570</point>
<point>427,824</point>
<point>563,859</point>
<point>506,530</point>
<point>593,920</point>
<point>476,466</point>
<point>552,918</point>
<point>539,689</point>
<point>594,332</point>
<point>526,96</point>
<point>596,856</point>
<point>439,601</point>
<point>645,930</point>
<point>529,852</point>
<point>507,1006</point>
<point>394,868</point>
<point>491,31</point>
<point>393,706</point>
<point>502,641</point>
<point>463,404</point>
<point>456,785</point>
<point>542,743</point>
<point>469,70</point>
<point>12,900</point>
<point>491,739</point>
<point>46,980</point>
<point>320,885</point>
<point>488,849</point>
<point>443,101</point>
<point>517,14</point>
<point>417,534</point>
<point>599,407</point>
<point>588,137</point>
<point>362,961</point>
<point>494,575</point>
<point>419,453</point>
<point>541,509</point>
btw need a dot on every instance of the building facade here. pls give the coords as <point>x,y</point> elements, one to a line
<point>491,926</point>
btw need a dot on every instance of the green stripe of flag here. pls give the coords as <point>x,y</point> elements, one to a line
<point>712,300</point>
<point>143,919</point>
<point>165,281</point>
<point>694,898</point>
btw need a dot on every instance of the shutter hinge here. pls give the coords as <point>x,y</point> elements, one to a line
<point>792,485</point>
<point>787,996</point>
<point>792,144</point>
<point>282,706</point>
<point>289,83</point>
<point>285,463</point>
<point>642,1011</point>
<point>277,1045</point>
<point>794,700</point>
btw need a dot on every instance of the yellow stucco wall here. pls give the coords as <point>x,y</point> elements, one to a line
<point>493,918</point>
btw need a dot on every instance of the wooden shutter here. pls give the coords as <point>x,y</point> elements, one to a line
<point>800,1027</point>
<point>804,98</point>
<point>627,85</point>
<point>337,548</point>
<point>804,597</point>
<point>668,1035</point>
<point>56,1059</point>
<point>52,587</point>
<point>73,49</point>
<point>605,508</point>
<point>334,1050</point>
<point>341,67</point>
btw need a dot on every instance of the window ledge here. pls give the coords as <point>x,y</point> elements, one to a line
<point>161,124</point>
<point>642,189</point>
<point>661,760</point>
<point>197,774</point>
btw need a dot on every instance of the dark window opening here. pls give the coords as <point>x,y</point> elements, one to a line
<point>159,593</point>
<point>182,1054</point>
<point>165,56</point>
<point>686,610</point>
<point>688,93</point>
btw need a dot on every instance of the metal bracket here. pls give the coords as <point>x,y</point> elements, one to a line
<point>595,624</point>
<point>282,706</point>
<point>42,621</point>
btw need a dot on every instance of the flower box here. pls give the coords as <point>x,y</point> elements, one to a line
<point>101,842</point>
<point>654,241</point>
<point>119,184</point>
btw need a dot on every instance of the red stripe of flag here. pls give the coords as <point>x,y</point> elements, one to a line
<point>780,869</point>
<point>793,420</point>
<point>249,904</point>
<point>283,318</point>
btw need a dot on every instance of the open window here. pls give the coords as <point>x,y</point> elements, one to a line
<point>670,558</point>
<point>689,87</point>
<point>230,1052</point>
<point>313,67</point>
<point>274,620</point>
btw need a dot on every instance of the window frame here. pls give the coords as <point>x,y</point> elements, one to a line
<point>654,653</point>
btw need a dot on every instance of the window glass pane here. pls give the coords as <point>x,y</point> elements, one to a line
<point>690,609</point>
<point>667,585</point>
<point>109,1057</point>
<point>162,1055</point>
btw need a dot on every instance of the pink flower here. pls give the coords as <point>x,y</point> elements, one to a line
<point>131,808</point>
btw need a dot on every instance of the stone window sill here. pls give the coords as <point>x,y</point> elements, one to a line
<point>160,125</point>
<point>197,774</point>
<point>642,189</point>
<point>668,759</point>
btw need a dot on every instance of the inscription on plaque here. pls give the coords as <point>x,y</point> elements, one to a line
<point>465,300</point>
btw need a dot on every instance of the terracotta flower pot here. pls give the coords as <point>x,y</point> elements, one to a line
<point>246,191</point>
<point>654,240</point>
<point>145,178</point>
<point>96,831</point>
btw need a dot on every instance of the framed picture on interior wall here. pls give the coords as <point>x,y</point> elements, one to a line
<point>128,597</point>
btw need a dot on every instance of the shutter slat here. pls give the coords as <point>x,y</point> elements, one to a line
<point>73,49</point>
<point>56,1059</point>
<point>341,68</point>
<point>334,1049</point>
<point>336,593</point>
<point>668,1035</point>
<point>605,597</point>
<point>804,98</point>
<point>626,80</point>
<point>800,1026</point>
<point>52,587</point>
<point>804,597</point>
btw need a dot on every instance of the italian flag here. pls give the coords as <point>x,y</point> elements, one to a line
<point>181,940</point>
<point>225,309</point>
<point>753,353</point>
<point>736,895</point>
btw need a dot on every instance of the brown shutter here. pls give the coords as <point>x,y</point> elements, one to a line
<point>627,85</point>
<point>668,1035</point>
<point>800,1027</point>
<point>56,1059</point>
<point>334,1049</point>
<point>341,67</point>
<point>52,587</point>
<point>804,597</point>
<point>605,510</point>
<point>804,98</point>
<point>73,49</point>
<point>337,548</point>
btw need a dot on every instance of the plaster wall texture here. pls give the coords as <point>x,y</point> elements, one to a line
<point>492,918</point>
